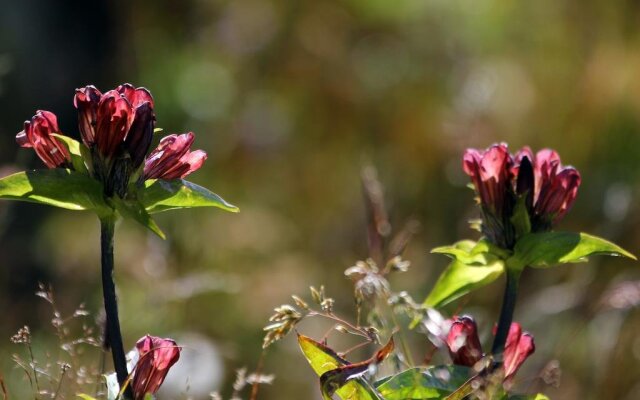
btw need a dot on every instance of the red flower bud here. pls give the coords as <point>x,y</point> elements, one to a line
<point>114,118</point>
<point>173,158</point>
<point>124,115</point>
<point>491,174</point>
<point>555,187</point>
<point>37,134</point>
<point>156,356</point>
<point>463,342</point>
<point>519,346</point>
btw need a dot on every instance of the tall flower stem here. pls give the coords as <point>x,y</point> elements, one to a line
<point>506,314</point>
<point>113,335</point>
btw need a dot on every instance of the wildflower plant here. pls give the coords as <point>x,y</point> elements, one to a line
<point>522,197</point>
<point>111,173</point>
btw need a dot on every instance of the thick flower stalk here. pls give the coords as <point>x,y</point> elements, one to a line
<point>464,346</point>
<point>155,357</point>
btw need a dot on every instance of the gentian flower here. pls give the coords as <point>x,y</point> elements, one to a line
<point>155,357</point>
<point>37,134</point>
<point>465,349</point>
<point>173,158</point>
<point>500,179</point>
<point>117,127</point>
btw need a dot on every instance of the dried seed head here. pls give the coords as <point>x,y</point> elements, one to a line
<point>23,336</point>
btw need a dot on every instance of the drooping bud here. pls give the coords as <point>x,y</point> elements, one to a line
<point>173,158</point>
<point>518,347</point>
<point>37,134</point>
<point>463,342</point>
<point>156,357</point>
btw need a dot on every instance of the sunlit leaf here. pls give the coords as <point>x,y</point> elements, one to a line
<point>323,359</point>
<point>85,396</point>
<point>132,209</point>
<point>459,279</point>
<point>423,383</point>
<point>56,187</point>
<point>472,253</point>
<point>162,195</point>
<point>75,150</point>
<point>547,249</point>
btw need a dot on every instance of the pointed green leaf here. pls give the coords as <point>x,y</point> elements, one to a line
<point>459,279</point>
<point>423,383</point>
<point>56,187</point>
<point>322,359</point>
<point>162,195</point>
<point>542,250</point>
<point>134,210</point>
<point>85,396</point>
<point>74,148</point>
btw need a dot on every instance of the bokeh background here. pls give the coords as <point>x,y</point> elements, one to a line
<point>290,99</point>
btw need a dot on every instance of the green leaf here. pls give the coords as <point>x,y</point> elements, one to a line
<point>423,383</point>
<point>85,396</point>
<point>473,253</point>
<point>323,359</point>
<point>134,210</point>
<point>75,149</point>
<point>547,249</point>
<point>459,279</point>
<point>162,195</point>
<point>56,187</point>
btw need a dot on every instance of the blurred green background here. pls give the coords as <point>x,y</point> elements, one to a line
<point>290,99</point>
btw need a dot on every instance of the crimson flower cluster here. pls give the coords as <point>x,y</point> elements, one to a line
<point>155,357</point>
<point>546,188</point>
<point>117,128</point>
<point>465,348</point>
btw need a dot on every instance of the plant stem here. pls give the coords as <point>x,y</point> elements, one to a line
<point>506,314</point>
<point>114,337</point>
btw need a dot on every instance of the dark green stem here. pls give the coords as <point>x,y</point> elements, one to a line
<point>113,335</point>
<point>506,314</point>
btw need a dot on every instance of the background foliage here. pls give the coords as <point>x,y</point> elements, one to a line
<point>290,99</point>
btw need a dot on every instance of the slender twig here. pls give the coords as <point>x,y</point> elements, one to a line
<point>110,303</point>
<point>33,367</point>
<point>352,328</point>
<point>5,396</point>
<point>64,371</point>
<point>506,313</point>
<point>256,383</point>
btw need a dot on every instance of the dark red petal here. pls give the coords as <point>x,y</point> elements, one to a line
<point>114,117</point>
<point>135,96</point>
<point>140,134</point>
<point>86,101</point>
